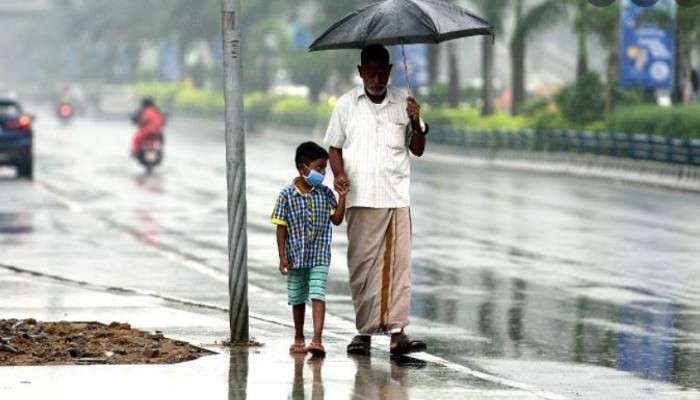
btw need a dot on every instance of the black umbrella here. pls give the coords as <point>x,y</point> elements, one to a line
<point>394,22</point>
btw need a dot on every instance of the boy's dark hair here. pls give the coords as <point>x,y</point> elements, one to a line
<point>375,52</point>
<point>309,152</point>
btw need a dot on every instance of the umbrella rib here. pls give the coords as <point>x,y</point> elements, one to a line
<point>373,22</point>
<point>432,26</point>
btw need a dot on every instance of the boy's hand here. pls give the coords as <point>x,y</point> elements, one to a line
<point>343,190</point>
<point>284,266</point>
<point>341,181</point>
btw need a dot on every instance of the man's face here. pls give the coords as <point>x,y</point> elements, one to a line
<point>375,76</point>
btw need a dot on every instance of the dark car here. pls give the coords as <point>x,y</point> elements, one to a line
<point>16,138</point>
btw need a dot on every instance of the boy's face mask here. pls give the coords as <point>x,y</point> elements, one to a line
<point>314,178</point>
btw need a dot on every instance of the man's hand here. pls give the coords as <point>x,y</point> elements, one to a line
<point>413,111</point>
<point>341,183</point>
<point>284,266</point>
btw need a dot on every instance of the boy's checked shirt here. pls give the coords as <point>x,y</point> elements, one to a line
<point>308,221</point>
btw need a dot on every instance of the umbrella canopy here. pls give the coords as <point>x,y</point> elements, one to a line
<point>394,22</point>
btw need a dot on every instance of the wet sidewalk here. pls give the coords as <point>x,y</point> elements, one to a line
<point>267,372</point>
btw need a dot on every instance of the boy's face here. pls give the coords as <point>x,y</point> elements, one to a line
<point>318,165</point>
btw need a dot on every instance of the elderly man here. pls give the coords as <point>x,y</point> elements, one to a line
<point>370,134</point>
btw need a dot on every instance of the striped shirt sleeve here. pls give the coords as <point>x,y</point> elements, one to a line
<point>281,211</point>
<point>335,134</point>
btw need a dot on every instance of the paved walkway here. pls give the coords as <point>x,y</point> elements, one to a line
<point>268,372</point>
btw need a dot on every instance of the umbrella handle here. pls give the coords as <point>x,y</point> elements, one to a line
<point>405,68</point>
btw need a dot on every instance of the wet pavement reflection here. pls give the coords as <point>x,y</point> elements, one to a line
<point>15,223</point>
<point>507,265</point>
<point>654,340</point>
<point>299,388</point>
<point>238,374</point>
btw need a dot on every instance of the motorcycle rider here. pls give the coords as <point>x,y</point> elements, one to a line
<point>66,102</point>
<point>150,121</point>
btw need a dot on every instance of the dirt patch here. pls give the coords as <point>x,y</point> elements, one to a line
<point>31,342</point>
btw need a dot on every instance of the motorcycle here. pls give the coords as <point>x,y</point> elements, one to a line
<point>150,153</point>
<point>65,113</point>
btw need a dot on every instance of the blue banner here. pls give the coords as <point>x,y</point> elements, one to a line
<point>647,52</point>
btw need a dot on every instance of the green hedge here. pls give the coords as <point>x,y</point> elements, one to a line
<point>163,93</point>
<point>679,121</point>
<point>197,101</point>
<point>471,118</point>
<point>261,108</point>
<point>297,111</point>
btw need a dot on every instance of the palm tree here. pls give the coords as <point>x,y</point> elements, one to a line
<point>493,11</point>
<point>535,19</point>
<point>581,38</point>
<point>687,33</point>
<point>603,23</point>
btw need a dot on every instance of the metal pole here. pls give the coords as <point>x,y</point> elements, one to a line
<point>235,169</point>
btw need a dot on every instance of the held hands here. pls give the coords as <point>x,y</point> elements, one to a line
<point>344,189</point>
<point>341,184</point>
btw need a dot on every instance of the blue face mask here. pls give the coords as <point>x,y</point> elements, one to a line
<point>314,178</point>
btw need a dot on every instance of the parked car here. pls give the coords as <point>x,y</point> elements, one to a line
<point>16,138</point>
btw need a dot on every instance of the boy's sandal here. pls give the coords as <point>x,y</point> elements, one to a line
<point>360,345</point>
<point>297,348</point>
<point>407,345</point>
<point>316,349</point>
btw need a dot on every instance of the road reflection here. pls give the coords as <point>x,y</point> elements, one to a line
<point>385,382</point>
<point>238,374</point>
<point>519,319</point>
<point>15,227</point>
<point>299,388</point>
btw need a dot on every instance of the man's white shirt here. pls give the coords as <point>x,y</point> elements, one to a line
<point>374,139</point>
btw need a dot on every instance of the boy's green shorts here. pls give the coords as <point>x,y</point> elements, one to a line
<point>305,284</point>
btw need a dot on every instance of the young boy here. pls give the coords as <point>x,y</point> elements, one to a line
<point>303,215</point>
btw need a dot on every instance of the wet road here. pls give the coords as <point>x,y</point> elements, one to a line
<point>517,274</point>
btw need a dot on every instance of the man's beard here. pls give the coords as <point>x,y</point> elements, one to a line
<point>376,91</point>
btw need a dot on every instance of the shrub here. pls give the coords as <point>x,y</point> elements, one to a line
<point>534,106</point>
<point>470,118</point>
<point>583,102</point>
<point>297,111</point>
<point>197,101</point>
<point>679,121</point>
<point>258,107</point>
<point>163,93</point>
<point>438,95</point>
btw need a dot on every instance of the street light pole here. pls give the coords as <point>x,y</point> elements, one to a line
<point>235,170</point>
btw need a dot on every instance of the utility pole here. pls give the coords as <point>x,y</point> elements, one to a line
<point>235,171</point>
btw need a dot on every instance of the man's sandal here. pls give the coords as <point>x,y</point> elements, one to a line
<point>297,348</point>
<point>360,345</point>
<point>406,345</point>
<point>316,349</point>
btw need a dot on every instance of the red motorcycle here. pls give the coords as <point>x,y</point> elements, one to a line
<point>150,153</point>
<point>65,113</point>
